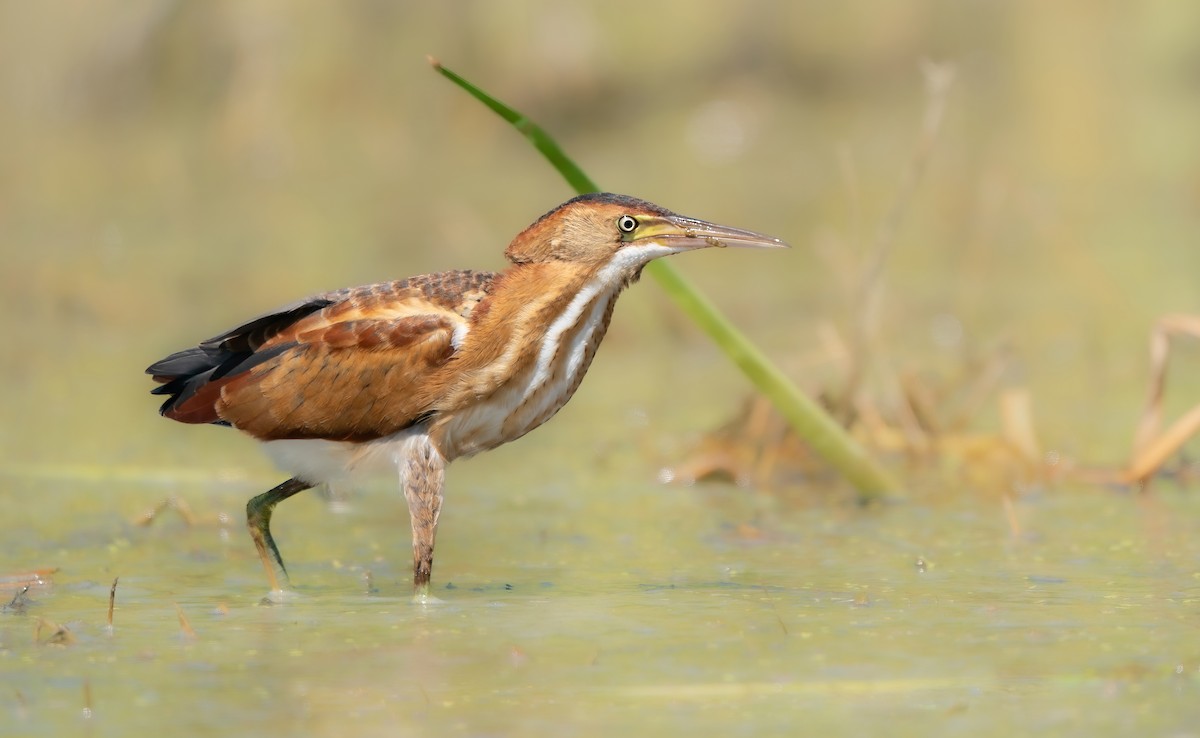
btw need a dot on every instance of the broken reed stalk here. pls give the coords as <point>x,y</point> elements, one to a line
<point>1150,448</point>
<point>17,603</point>
<point>1151,458</point>
<point>184,625</point>
<point>826,436</point>
<point>112,600</point>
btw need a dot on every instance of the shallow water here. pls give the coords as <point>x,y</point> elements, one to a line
<point>595,605</point>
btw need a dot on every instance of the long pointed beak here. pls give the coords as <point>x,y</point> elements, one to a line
<point>682,233</point>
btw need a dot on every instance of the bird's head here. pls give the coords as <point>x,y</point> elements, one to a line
<point>602,228</point>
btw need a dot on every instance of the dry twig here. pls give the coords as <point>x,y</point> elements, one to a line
<point>184,625</point>
<point>1151,448</point>
<point>939,78</point>
<point>112,600</point>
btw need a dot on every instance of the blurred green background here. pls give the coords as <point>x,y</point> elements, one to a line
<point>169,168</point>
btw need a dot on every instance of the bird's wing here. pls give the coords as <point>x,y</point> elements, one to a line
<point>350,365</point>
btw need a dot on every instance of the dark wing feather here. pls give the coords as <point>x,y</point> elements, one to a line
<point>183,373</point>
<point>252,334</point>
<point>349,364</point>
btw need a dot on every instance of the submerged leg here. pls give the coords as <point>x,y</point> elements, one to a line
<point>258,519</point>
<point>422,475</point>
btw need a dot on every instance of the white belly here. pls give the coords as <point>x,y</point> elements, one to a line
<point>319,461</point>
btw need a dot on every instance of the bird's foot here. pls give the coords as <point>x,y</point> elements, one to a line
<point>422,597</point>
<point>279,597</point>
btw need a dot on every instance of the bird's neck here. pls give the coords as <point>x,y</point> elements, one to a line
<point>528,347</point>
<point>532,307</point>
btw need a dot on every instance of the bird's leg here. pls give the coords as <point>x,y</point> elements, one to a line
<point>422,475</point>
<point>258,519</point>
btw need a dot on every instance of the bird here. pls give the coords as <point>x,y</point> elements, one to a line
<point>403,377</point>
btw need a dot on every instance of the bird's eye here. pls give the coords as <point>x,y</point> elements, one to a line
<point>627,224</point>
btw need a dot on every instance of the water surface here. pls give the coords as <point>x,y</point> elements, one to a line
<point>609,603</point>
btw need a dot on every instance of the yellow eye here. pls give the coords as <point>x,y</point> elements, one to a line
<point>627,224</point>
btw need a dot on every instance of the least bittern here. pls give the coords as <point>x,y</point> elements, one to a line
<point>404,377</point>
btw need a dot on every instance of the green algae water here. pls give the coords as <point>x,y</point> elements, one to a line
<point>612,605</point>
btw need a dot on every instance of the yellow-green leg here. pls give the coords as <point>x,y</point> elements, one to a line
<point>258,519</point>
